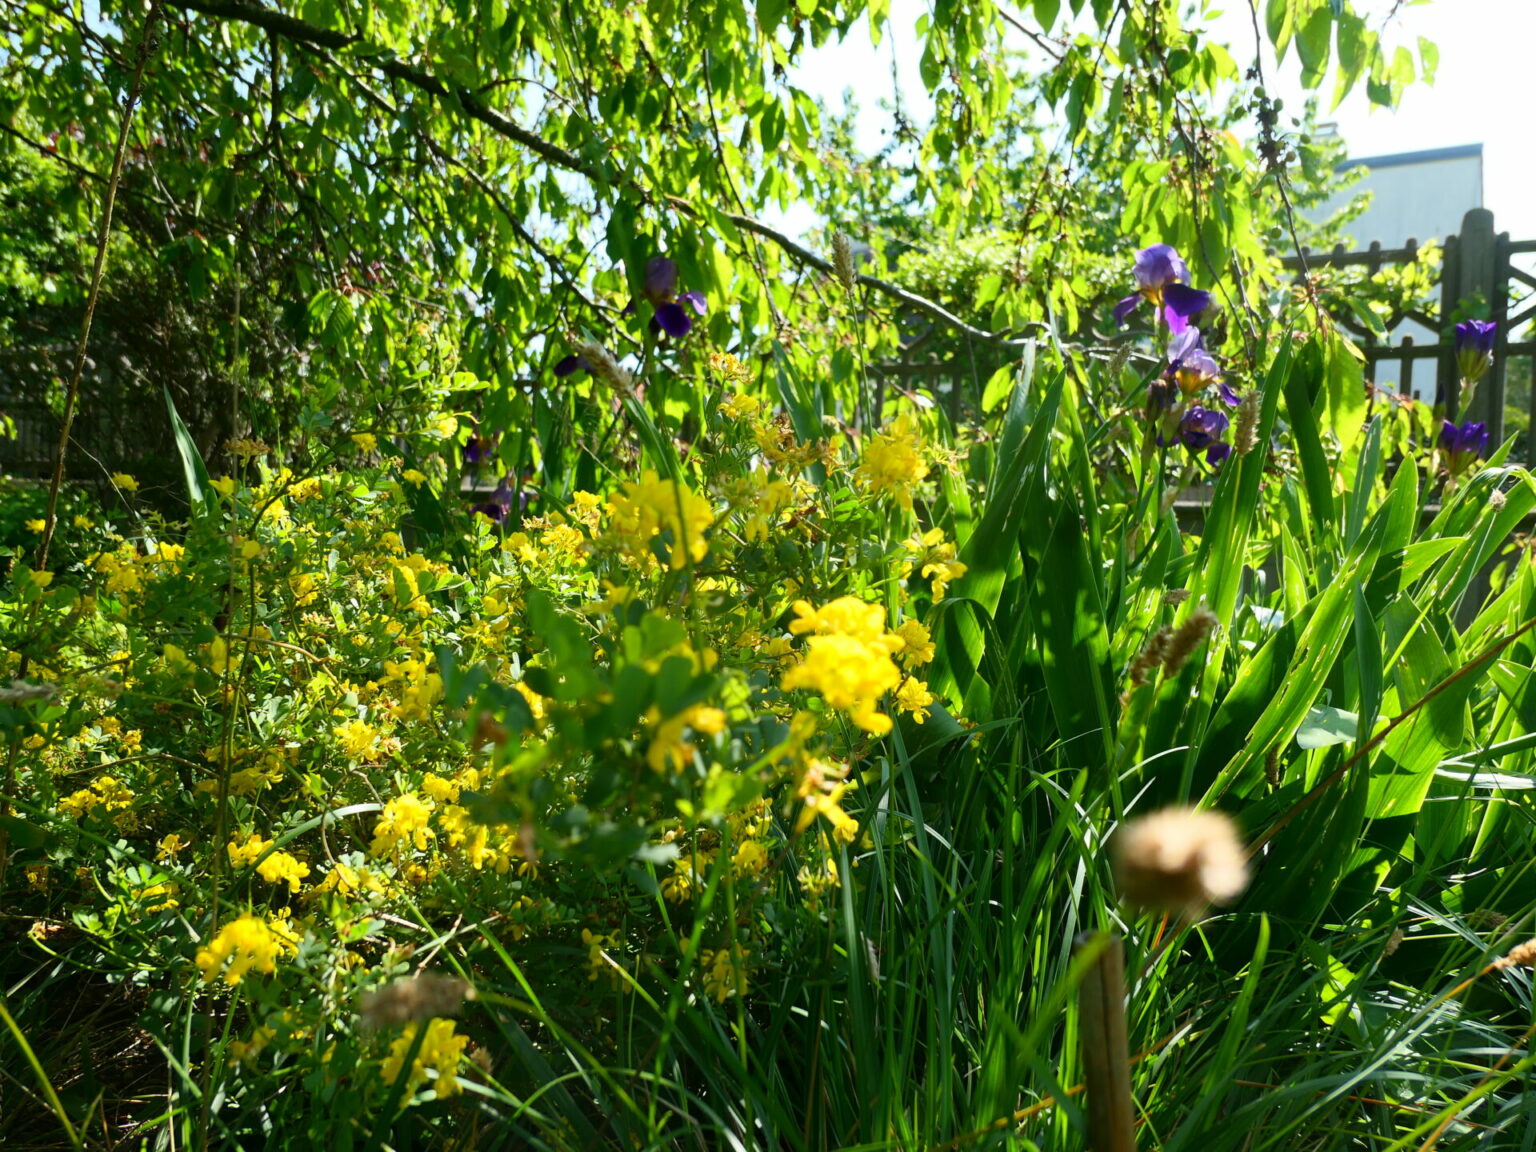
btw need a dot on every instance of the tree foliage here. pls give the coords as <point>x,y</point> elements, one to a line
<point>379,196</point>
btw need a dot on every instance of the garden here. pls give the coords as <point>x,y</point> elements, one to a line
<point>554,597</point>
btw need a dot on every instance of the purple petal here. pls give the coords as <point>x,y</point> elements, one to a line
<point>1159,265</point>
<point>1218,452</point>
<point>695,300</point>
<point>571,364</point>
<point>1124,309</point>
<point>1180,302</point>
<point>1183,344</point>
<point>660,283</point>
<point>672,320</point>
<point>1228,397</point>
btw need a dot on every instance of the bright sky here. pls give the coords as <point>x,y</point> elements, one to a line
<point>1481,92</point>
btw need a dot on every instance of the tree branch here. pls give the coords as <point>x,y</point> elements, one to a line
<point>302,32</point>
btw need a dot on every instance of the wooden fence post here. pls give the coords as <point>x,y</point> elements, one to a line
<point>1477,275</point>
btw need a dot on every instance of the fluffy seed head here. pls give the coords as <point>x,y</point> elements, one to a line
<point>1150,656</point>
<point>1179,859</point>
<point>1245,430</point>
<point>1190,635</point>
<point>842,261</point>
<point>605,367</point>
<point>413,998</point>
<point>1520,956</point>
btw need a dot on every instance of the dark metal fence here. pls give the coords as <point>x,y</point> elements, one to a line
<point>1478,265</point>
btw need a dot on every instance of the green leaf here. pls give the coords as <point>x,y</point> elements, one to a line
<point>1429,60</point>
<point>999,388</point>
<point>199,484</point>
<point>1280,23</point>
<point>1312,43</point>
<point>1354,52</point>
<point>1325,726</point>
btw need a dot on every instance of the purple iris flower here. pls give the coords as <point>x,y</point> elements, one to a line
<point>1201,430</point>
<point>1463,443</point>
<point>1474,348</point>
<point>479,449</point>
<point>660,288</point>
<point>500,503</point>
<point>1190,364</point>
<point>1160,274</point>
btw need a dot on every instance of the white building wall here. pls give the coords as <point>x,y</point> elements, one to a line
<point>1418,196</point>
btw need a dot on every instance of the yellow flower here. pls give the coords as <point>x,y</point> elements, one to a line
<point>40,579</point>
<point>848,660</point>
<point>365,441</point>
<point>650,506</point>
<point>725,973</point>
<point>247,853</point>
<point>741,406</point>
<point>913,696</point>
<point>225,486</point>
<point>124,481</point>
<point>441,1051</point>
<point>402,823</point>
<point>169,847</point>
<point>821,790</point>
<point>892,463</point>
<point>359,739</point>
<point>36,525</point>
<point>935,557</point>
<point>280,867</point>
<point>918,643</point>
<point>669,750</point>
<point>413,477</point>
<point>244,945</point>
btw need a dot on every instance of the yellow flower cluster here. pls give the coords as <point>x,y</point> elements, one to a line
<point>892,463</point>
<point>934,557</point>
<point>281,868</point>
<point>359,739</point>
<point>670,750</point>
<point>847,659</point>
<point>650,506</point>
<point>441,1051</point>
<point>725,973</point>
<point>403,823</point>
<point>106,792</point>
<point>820,791</point>
<point>248,853</point>
<point>247,944</point>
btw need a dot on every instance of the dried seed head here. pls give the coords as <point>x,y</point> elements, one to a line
<point>413,998</point>
<point>1190,635</point>
<point>842,262</point>
<point>1497,500</point>
<point>1245,429</point>
<point>1174,597</point>
<point>605,367</point>
<point>1117,361</point>
<point>1520,956</point>
<point>1179,859</point>
<point>1150,657</point>
<point>1394,942</point>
